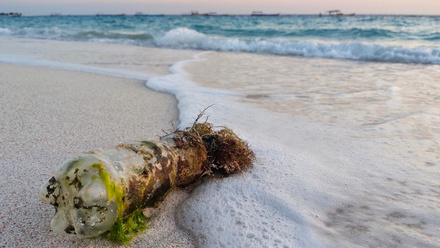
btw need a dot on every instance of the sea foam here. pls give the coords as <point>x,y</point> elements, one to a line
<point>183,38</point>
<point>313,185</point>
<point>5,31</point>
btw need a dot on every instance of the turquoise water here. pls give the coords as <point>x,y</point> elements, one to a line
<point>402,39</point>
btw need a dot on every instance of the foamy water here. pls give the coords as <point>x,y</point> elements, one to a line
<point>346,150</point>
<point>351,160</point>
<point>394,101</point>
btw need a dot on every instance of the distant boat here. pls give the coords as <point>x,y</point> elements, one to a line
<point>11,14</point>
<point>337,13</point>
<point>260,13</point>
<point>101,14</point>
<point>196,13</point>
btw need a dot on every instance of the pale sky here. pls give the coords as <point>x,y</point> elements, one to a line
<point>91,7</point>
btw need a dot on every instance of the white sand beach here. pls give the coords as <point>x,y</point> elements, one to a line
<point>48,116</point>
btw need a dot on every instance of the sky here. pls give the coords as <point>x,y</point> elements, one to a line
<point>91,7</point>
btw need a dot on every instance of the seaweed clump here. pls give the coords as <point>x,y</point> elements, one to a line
<point>125,227</point>
<point>226,153</point>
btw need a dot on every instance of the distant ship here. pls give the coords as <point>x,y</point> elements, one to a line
<point>11,14</point>
<point>260,13</point>
<point>196,13</point>
<point>102,14</point>
<point>337,13</point>
<point>142,14</point>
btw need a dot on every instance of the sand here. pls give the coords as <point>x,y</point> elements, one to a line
<point>48,116</point>
<point>69,54</point>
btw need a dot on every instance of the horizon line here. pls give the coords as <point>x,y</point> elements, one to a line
<point>214,15</point>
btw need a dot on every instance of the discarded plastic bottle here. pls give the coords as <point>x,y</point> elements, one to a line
<point>100,191</point>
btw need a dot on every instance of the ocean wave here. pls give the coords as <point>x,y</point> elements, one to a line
<point>5,31</point>
<point>76,35</point>
<point>54,33</point>
<point>183,38</point>
<point>290,44</point>
<point>433,36</point>
<point>346,33</point>
<point>92,34</point>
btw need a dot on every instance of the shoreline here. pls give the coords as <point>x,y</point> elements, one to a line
<point>128,61</point>
<point>321,177</point>
<point>51,115</point>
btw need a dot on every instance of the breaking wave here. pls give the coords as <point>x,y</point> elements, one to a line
<point>290,45</point>
<point>182,38</point>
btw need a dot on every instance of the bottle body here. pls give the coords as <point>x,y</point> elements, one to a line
<point>93,190</point>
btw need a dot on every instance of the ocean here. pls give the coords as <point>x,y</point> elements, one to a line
<point>402,39</point>
<point>343,114</point>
